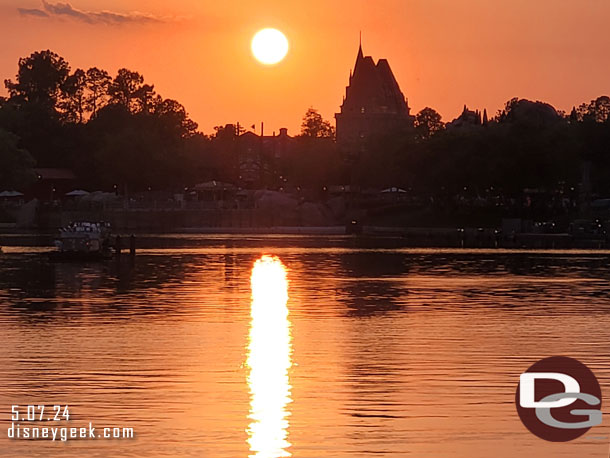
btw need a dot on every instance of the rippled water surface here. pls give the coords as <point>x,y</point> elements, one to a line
<point>333,348</point>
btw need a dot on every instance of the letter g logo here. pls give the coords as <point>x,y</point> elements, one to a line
<point>595,416</point>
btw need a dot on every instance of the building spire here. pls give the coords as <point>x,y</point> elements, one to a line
<point>360,56</point>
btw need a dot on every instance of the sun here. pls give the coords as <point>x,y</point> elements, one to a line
<point>269,46</point>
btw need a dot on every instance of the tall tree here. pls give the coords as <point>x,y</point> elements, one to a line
<point>73,101</point>
<point>427,122</point>
<point>145,98</point>
<point>40,79</point>
<point>98,82</point>
<point>527,113</point>
<point>34,106</point>
<point>315,126</point>
<point>598,110</point>
<point>173,115</point>
<point>125,88</point>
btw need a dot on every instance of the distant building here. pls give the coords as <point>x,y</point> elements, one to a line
<point>468,118</point>
<point>257,157</point>
<point>373,105</point>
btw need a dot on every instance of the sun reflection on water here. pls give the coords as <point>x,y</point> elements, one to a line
<point>269,359</point>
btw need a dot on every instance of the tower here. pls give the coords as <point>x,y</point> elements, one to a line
<point>373,105</point>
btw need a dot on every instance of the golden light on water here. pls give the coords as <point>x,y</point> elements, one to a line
<point>269,359</point>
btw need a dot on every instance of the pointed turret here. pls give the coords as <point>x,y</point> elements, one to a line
<point>373,104</point>
<point>360,56</point>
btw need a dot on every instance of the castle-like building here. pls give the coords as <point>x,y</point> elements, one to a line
<point>373,105</point>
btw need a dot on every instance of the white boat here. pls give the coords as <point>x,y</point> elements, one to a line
<point>83,240</point>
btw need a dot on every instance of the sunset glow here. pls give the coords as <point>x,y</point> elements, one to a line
<point>444,54</point>
<point>306,228</point>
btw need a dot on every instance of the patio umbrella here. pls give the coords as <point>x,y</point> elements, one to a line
<point>77,193</point>
<point>10,194</point>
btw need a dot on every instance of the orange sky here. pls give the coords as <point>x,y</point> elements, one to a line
<point>444,53</point>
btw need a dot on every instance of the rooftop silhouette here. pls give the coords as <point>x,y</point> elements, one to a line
<point>373,104</point>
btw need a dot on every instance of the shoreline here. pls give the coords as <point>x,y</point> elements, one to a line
<point>395,237</point>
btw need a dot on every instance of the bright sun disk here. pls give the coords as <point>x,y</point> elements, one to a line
<point>269,46</point>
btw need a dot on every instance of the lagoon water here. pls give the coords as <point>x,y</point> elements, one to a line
<point>335,348</point>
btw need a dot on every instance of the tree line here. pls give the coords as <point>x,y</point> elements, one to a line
<point>108,130</point>
<point>526,145</point>
<point>117,131</point>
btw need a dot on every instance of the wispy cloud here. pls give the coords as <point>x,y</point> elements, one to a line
<point>51,10</point>
<point>32,12</point>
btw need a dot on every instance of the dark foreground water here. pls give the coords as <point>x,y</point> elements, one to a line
<point>336,351</point>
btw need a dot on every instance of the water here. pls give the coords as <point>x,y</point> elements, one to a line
<point>374,351</point>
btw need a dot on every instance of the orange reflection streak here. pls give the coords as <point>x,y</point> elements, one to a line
<point>269,358</point>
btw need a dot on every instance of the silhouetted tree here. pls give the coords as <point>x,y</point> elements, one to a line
<point>73,104</point>
<point>40,80</point>
<point>427,123</point>
<point>598,110</point>
<point>33,109</point>
<point>315,126</point>
<point>119,131</point>
<point>525,112</point>
<point>108,131</point>
<point>145,98</point>
<point>125,89</point>
<point>98,82</point>
<point>173,115</point>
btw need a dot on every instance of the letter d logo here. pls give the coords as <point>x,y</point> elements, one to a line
<point>528,389</point>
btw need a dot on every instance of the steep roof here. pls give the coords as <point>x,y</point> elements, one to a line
<point>373,87</point>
